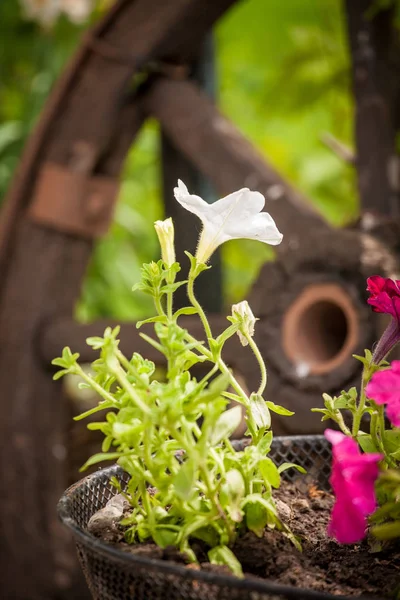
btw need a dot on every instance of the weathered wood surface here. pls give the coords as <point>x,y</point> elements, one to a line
<point>44,273</point>
<point>375,52</point>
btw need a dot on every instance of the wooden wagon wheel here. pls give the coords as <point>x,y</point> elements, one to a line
<point>62,199</point>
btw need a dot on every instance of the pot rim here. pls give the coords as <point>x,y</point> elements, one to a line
<point>118,556</point>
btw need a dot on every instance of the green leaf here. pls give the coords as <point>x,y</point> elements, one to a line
<point>264,444</point>
<point>215,347</point>
<point>206,534</point>
<point>387,531</point>
<point>279,410</point>
<point>328,402</point>
<point>392,440</point>
<point>195,266</point>
<point>157,319</point>
<point>228,333</point>
<point>232,493</point>
<point>67,360</point>
<point>269,472</point>
<point>226,425</point>
<point>152,342</point>
<point>100,457</point>
<point>366,443</point>
<point>289,465</point>
<point>231,396</point>
<point>222,555</point>
<point>389,509</point>
<point>259,513</point>
<point>172,287</point>
<point>395,455</point>
<point>184,480</point>
<point>188,310</point>
<point>198,527</point>
<point>259,411</point>
<point>98,408</point>
<point>216,388</point>
<point>60,374</point>
<point>106,445</point>
<point>164,536</point>
<point>95,342</point>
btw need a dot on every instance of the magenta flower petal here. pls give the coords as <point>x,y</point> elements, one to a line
<point>393,412</point>
<point>385,298</point>
<point>353,482</point>
<point>347,525</point>
<point>384,294</point>
<point>384,388</point>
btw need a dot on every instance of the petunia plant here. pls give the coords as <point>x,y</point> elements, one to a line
<point>366,453</point>
<point>172,436</point>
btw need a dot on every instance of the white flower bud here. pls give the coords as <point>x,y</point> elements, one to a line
<point>165,233</point>
<point>243,315</point>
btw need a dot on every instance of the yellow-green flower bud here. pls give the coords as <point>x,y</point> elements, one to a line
<point>165,233</point>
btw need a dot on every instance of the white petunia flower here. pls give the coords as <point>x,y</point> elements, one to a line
<point>233,217</point>
<point>243,315</point>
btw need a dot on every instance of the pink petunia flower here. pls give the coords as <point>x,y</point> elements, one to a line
<point>385,298</point>
<point>352,479</point>
<point>384,388</point>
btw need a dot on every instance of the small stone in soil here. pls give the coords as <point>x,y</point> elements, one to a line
<point>301,505</point>
<point>283,509</point>
<point>104,523</point>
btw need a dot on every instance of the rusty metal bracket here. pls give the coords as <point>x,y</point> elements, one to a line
<point>73,202</point>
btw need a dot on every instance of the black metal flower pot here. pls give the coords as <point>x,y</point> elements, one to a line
<point>116,575</point>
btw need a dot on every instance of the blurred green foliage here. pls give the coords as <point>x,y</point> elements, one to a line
<point>283,78</point>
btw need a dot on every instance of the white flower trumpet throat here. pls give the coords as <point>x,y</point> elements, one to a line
<point>236,216</point>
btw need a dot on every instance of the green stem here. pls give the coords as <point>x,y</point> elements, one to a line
<point>170,296</point>
<point>221,364</point>
<point>123,381</point>
<point>146,503</point>
<point>208,484</point>
<point>130,369</point>
<point>158,305</point>
<point>260,361</point>
<point>361,405</point>
<point>169,305</point>
<point>342,424</point>
<point>95,386</point>
<point>148,434</point>
<point>214,499</point>
<point>234,383</point>
<point>197,305</point>
<point>381,436</point>
<point>374,427</point>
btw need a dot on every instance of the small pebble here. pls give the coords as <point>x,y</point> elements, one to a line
<point>318,504</point>
<point>301,505</point>
<point>283,509</point>
<point>106,518</point>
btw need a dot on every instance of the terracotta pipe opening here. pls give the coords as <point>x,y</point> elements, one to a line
<point>320,329</point>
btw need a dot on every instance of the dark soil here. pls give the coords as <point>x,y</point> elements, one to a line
<point>323,565</point>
